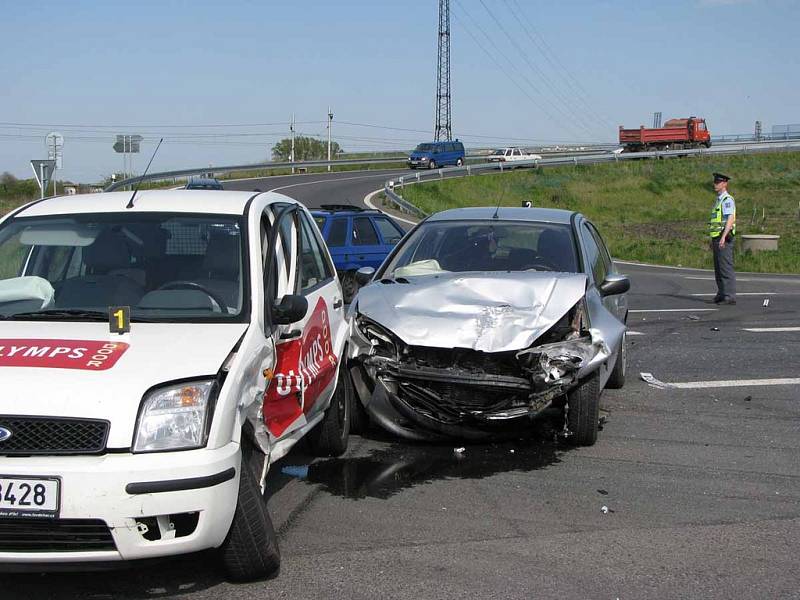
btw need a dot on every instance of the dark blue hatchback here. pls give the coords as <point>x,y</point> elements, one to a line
<point>356,238</point>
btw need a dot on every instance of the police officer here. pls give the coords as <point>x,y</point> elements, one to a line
<point>722,228</point>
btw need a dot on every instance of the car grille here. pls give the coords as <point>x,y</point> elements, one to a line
<point>59,535</point>
<point>49,435</point>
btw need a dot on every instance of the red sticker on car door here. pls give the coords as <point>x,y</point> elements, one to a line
<point>87,355</point>
<point>304,368</point>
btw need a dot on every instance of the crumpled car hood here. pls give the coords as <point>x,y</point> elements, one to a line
<point>490,312</point>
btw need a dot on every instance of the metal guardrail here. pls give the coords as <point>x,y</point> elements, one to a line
<point>254,167</point>
<point>391,186</point>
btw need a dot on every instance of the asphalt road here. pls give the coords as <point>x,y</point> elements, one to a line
<point>702,484</point>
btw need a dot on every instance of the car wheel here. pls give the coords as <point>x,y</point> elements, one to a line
<point>250,551</point>
<point>459,162</point>
<point>583,411</point>
<point>432,164</point>
<point>330,436</point>
<point>349,286</point>
<point>617,378</point>
<point>359,418</point>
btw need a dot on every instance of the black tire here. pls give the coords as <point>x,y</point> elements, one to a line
<point>459,162</point>
<point>250,551</point>
<point>359,418</point>
<point>330,436</point>
<point>617,378</point>
<point>349,286</point>
<point>432,164</point>
<point>583,411</point>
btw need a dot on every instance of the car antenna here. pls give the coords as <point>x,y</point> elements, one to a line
<point>141,179</point>
<point>497,208</point>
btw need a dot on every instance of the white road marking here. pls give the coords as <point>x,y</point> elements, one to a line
<point>696,385</point>
<point>655,310</point>
<point>756,279</point>
<point>744,294</point>
<point>368,201</point>
<point>771,329</point>
<point>629,332</point>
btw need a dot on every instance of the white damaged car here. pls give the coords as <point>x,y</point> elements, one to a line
<point>483,319</point>
<point>157,354</point>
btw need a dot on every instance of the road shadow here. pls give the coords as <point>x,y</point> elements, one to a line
<point>164,578</point>
<point>402,465</point>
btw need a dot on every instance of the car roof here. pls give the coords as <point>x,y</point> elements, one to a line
<point>343,210</point>
<point>178,201</point>
<point>505,213</point>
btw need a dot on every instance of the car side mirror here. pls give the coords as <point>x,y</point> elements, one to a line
<point>291,309</point>
<point>364,275</point>
<point>615,284</point>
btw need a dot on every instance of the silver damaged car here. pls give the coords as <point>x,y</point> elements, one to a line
<point>483,319</point>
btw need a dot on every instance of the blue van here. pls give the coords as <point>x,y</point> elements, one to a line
<point>432,155</point>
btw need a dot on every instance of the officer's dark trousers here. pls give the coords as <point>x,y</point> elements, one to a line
<point>723,268</point>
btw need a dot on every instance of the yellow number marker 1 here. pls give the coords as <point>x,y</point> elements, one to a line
<point>119,319</point>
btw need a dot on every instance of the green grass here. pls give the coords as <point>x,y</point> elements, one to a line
<point>652,211</point>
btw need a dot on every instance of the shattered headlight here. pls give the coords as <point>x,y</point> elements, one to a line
<point>563,349</point>
<point>380,338</point>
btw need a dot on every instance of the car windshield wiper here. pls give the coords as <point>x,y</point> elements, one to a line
<point>62,313</point>
<point>68,314</point>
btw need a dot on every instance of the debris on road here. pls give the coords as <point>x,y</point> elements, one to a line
<point>651,380</point>
<point>766,303</point>
<point>460,450</point>
<point>604,510</point>
<point>603,492</point>
<point>715,329</point>
<point>748,398</point>
<point>693,318</point>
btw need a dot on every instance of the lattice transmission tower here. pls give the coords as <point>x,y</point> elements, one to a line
<point>444,129</point>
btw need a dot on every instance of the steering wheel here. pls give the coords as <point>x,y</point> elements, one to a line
<point>541,264</point>
<point>191,285</point>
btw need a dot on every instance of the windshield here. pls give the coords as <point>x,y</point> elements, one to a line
<point>460,246</point>
<point>424,148</point>
<point>164,266</point>
<point>500,152</point>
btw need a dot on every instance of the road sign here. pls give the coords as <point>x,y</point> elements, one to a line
<point>128,144</point>
<point>43,171</point>
<point>55,147</point>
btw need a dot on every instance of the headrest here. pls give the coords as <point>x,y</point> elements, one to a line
<point>554,242</point>
<point>222,255</point>
<point>108,251</point>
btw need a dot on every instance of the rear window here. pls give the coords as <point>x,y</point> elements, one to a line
<point>390,232</point>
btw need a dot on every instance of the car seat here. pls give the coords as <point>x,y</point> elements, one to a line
<point>100,286</point>
<point>220,269</point>
<point>556,249</point>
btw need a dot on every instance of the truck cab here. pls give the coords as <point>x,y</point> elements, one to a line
<point>156,360</point>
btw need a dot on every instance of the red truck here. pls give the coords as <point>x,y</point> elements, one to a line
<point>676,134</point>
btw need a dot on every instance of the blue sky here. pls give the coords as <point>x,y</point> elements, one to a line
<point>543,70</point>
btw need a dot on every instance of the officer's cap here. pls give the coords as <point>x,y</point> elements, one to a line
<point>719,177</point>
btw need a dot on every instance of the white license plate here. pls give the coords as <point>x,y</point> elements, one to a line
<point>29,496</point>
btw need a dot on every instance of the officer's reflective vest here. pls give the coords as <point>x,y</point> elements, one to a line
<point>716,224</point>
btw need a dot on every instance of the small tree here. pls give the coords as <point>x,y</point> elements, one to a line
<point>305,148</point>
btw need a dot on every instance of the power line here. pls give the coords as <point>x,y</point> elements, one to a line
<point>576,114</point>
<point>500,66</point>
<point>544,49</point>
